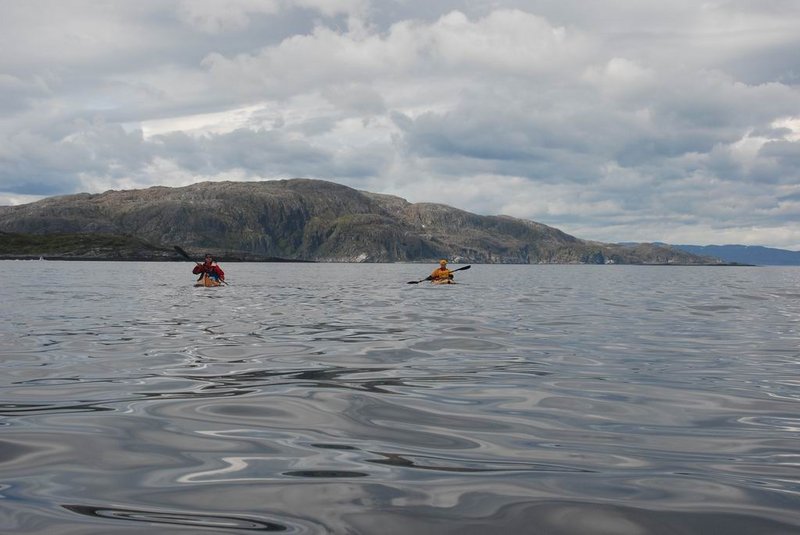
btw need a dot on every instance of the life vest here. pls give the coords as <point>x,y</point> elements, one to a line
<point>441,273</point>
<point>212,269</point>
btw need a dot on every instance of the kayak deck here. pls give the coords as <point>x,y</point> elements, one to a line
<point>207,282</point>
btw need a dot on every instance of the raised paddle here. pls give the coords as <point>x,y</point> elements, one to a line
<point>187,257</point>
<point>429,277</point>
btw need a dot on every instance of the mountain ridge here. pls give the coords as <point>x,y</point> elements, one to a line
<point>314,220</point>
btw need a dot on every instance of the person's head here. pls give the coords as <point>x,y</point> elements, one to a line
<point>443,263</point>
<point>209,259</point>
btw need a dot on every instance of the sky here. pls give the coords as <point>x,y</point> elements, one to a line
<point>612,120</point>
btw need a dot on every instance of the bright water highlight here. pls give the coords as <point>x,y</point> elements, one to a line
<point>336,398</point>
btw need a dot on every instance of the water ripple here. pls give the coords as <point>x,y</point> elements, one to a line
<point>189,519</point>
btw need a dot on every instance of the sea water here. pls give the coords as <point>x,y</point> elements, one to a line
<point>337,398</point>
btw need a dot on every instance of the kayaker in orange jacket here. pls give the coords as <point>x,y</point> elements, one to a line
<point>441,273</point>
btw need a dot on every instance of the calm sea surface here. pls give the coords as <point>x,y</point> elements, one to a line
<point>336,398</point>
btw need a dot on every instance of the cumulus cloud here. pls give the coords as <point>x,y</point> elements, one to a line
<point>613,121</point>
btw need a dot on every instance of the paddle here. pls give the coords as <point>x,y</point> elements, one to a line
<point>187,257</point>
<point>429,277</point>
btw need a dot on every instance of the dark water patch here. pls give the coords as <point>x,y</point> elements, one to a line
<point>23,409</point>
<point>751,297</point>
<point>13,452</point>
<point>715,308</point>
<point>453,343</point>
<point>189,520</point>
<point>466,466</point>
<point>326,474</point>
<point>334,447</point>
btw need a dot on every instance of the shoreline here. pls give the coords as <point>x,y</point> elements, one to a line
<point>234,260</point>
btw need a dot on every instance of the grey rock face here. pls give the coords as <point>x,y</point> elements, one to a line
<point>316,220</point>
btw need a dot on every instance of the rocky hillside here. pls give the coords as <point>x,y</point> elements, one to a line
<point>312,220</point>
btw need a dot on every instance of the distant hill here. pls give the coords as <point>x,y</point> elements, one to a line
<point>80,246</point>
<point>746,254</point>
<point>298,219</point>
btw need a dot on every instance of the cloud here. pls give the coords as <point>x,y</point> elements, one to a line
<point>614,121</point>
<point>225,16</point>
<point>216,16</point>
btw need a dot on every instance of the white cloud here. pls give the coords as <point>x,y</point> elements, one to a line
<point>791,125</point>
<point>217,122</point>
<point>507,40</point>
<point>611,120</point>
<point>14,200</point>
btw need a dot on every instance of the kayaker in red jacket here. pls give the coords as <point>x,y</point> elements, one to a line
<point>210,267</point>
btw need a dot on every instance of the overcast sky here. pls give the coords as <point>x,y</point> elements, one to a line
<point>613,120</point>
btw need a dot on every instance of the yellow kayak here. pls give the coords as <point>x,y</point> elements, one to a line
<point>439,281</point>
<point>207,281</point>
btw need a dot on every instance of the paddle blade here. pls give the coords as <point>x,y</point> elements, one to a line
<point>183,253</point>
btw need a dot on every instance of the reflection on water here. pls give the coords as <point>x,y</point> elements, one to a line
<point>183,519</point>
<point>338,399</point>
